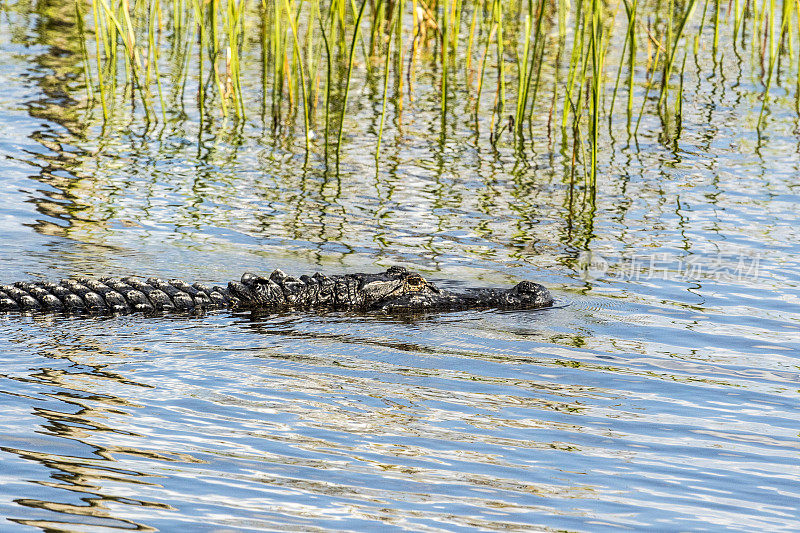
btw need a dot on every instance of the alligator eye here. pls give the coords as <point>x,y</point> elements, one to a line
<point>415,282</point>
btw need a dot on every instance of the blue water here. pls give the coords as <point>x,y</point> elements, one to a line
<point>660,394</point>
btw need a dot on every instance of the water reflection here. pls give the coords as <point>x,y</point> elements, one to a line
<point>308,419</point>
<point>304,413</point>
<point>84,472</point>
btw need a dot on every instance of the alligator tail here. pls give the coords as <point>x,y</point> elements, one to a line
<point>106,296</point>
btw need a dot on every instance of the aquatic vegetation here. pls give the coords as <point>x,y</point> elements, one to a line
<point>538,60</point>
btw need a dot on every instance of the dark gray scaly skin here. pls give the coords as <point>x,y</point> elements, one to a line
<point>396,290</point>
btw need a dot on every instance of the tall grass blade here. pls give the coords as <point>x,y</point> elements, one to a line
<point>87,72</point>
<point>350,59</point>
<point>299,60</point>
<point>673,46</point>
<point>327,84</point>
<point>386,62</point>
<point>774,54</point>
<point>100,79</point>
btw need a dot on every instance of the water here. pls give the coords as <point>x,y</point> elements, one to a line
<point>661,393</point>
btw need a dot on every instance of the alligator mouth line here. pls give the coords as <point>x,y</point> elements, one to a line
<point>396,290</point>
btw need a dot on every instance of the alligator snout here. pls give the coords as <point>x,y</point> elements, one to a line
<point>532,293</point>
<point>528,287</point>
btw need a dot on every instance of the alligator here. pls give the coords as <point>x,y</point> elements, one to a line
<point>397,290</point>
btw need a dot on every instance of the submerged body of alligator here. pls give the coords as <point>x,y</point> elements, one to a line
<point>395,290</point>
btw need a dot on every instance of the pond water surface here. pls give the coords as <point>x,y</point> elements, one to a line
<point>661,393</point>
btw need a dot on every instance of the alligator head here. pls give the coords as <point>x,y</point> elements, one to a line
<point>415,294</point>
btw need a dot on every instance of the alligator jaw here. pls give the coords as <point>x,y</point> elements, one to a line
<point>525,295</point>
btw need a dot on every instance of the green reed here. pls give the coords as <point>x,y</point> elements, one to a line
<point>673,45</point>
<point>597,50</point>
<point>84,50</point>
<point>786,14</point>
<point>587,54</point>
<point>350,60</point>
<point>299,60</point>
<point>393,20</point>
